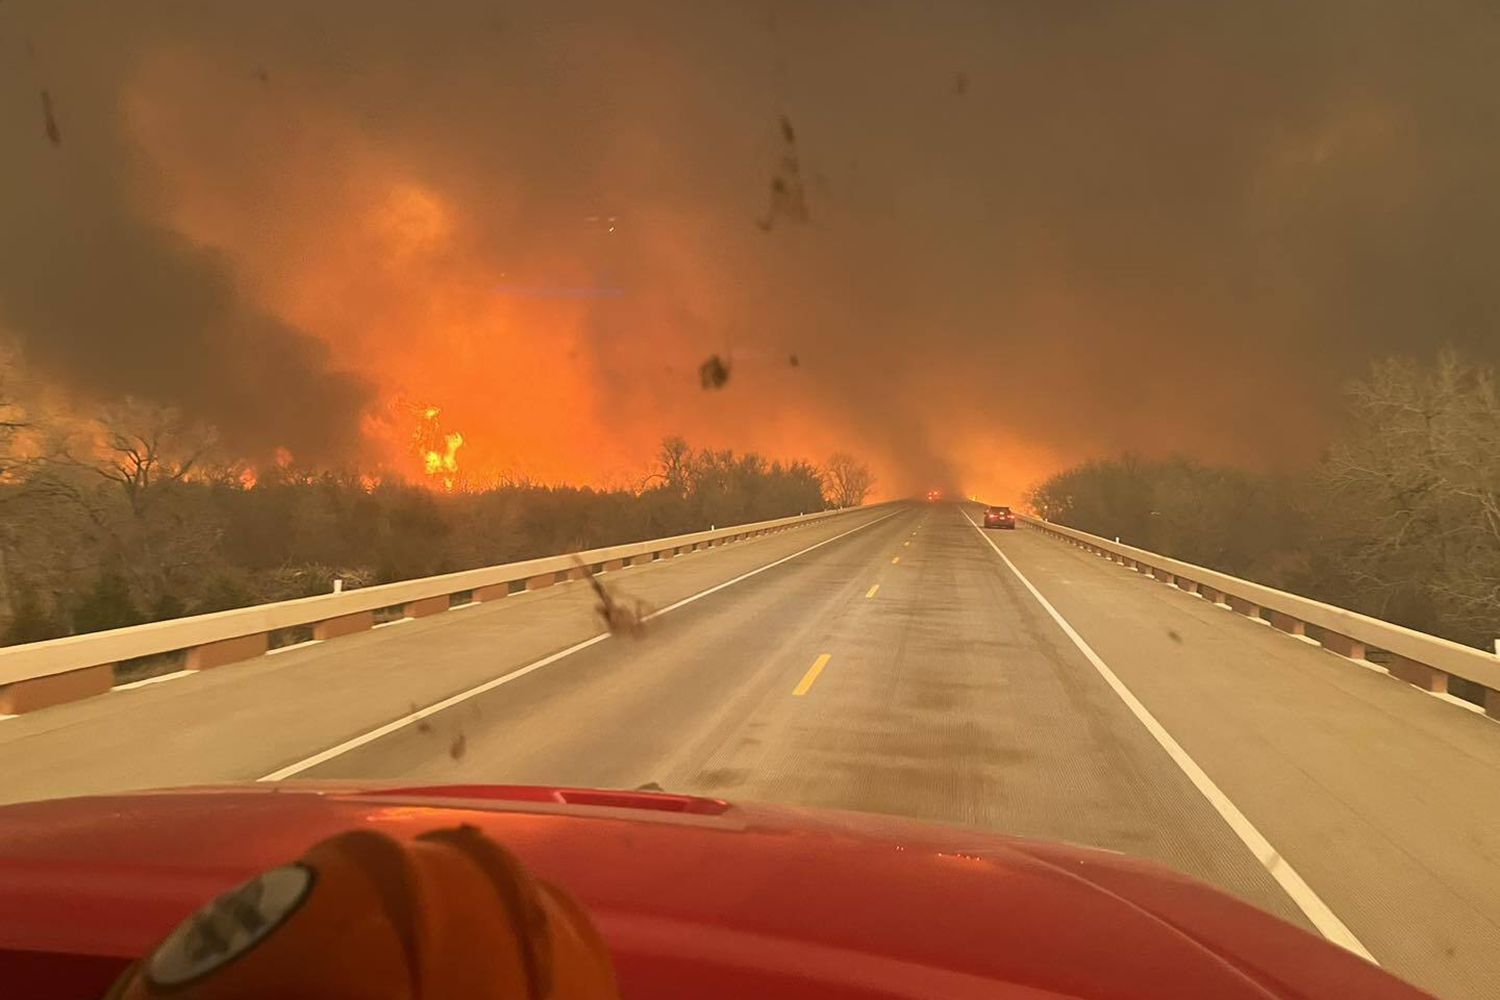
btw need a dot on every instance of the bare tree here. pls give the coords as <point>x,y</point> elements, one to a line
<point>15,422</point>
<point>1413,490</point>
<point>673,459</point>
<point>12,420</point>
<point>126,473</point>
<point>142,446</point>
<point>847,480</point>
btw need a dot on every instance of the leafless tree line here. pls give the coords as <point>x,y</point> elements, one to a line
<point>1400,519</point>
<point>134,513</point>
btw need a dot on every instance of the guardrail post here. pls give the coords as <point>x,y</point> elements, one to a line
<point>492,592</point>
<point>332,628</point>
<point>55,689</point>
<point>217,654</point>
<point>1244,607</point>
<point>1492,703</point>
<point>1425,677</point>
<point>1344,645</point>
<point>1287,623</point>
<point>426,606</point>
<point>542,581</point>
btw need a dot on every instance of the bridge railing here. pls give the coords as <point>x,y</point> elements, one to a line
<point>39,674</point>
<point>1431,663</point>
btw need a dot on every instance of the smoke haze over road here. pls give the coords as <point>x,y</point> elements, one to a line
<point>997,238</point>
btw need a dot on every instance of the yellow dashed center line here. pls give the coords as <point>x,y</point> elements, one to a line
<point>871,591</point>
<point>895,560</point>
<point>811,675</point>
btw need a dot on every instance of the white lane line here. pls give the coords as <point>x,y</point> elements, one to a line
<point>1308,901</point>
<point>761,569</point>
<point>390,727</point>
<point>153,680</point>
<point>393,621</point>
<point>422,713</point>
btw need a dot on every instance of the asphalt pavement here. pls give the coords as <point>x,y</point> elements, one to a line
<point>889,661</point>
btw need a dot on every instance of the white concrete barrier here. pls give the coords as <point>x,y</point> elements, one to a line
<point>38,674</point>
<point>1416,657</point>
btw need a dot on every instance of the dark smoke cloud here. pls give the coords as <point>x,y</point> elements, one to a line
<point>1026,233</point>
<point>110,301</point>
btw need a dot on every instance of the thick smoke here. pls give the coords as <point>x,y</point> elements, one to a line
<point>112,302</point>
<point>997,237</point>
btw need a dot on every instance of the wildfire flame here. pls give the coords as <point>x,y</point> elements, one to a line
<point>438,463</point>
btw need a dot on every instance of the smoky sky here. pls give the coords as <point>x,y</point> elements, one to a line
<point>1026,233</point>
<point>108,300</point>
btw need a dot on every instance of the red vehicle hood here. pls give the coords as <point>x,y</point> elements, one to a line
<point>695,897</point>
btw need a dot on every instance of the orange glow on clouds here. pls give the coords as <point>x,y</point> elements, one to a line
<point>478,376</point>
<point>382,268</point>
<point>386,269</point>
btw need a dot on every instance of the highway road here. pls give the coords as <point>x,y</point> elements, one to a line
<point>895,660</point>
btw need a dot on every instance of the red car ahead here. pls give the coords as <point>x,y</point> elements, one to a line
<point>999,517</point>
<point>694,897</point>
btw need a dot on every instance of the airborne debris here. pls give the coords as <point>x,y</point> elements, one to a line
<point>714,372</point>
<point>787,196</point>
<point>262,75</point>
<point>618,618</point>
<point>960,84</point>
<point>1172,634</point>
<point>49,119</point>
<point>792,360</point>
<point>458,747</point>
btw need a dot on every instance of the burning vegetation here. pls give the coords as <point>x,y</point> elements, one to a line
<point>141,514</point>
<point>437,449</point>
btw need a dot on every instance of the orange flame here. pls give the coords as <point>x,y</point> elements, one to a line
<point>438,462</point>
